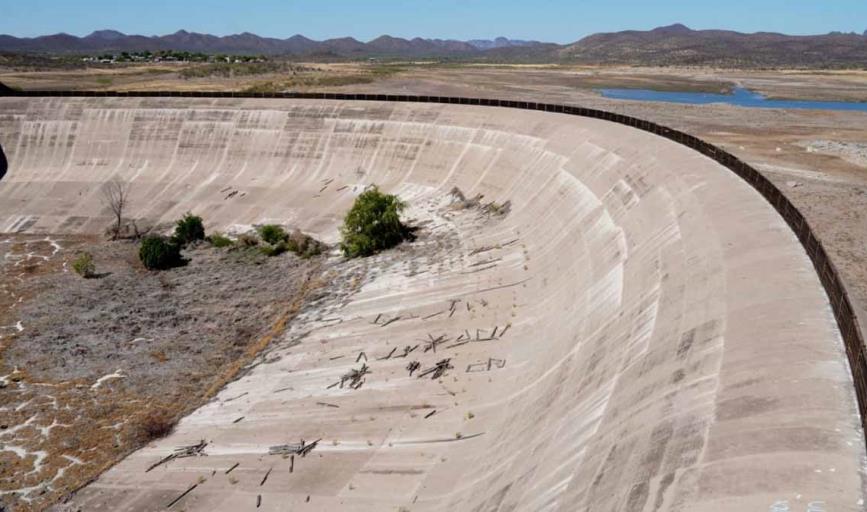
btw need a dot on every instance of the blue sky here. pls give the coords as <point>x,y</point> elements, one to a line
<point>549,20</point>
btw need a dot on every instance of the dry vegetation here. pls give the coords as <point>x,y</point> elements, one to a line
<point>107,364</point>
<point>270,76</point>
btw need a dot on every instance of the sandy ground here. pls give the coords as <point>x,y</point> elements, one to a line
<point>90,365</point>
<point>161,77</point>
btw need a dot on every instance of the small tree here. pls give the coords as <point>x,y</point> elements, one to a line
<point>115,195</point>
<point>158,253</point>
<point>83,265</point>
<point>189,229</point>
<point>373,224</point>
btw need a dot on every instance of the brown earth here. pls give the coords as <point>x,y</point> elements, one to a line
<point>113,361</point>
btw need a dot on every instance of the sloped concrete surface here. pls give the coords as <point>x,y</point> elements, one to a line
<point>667,343</point>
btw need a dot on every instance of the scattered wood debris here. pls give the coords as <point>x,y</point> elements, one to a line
<point>265,479</point>
<point>486,366</point>
<point>233,467</point>
<point>188,491</point>
<point>193,450</point>
<point>412,367</point>
<point>389,354</point>
<point>453,306</point>
<point>390,321</point>
<point>487,248</point>
<point>437,370</point>
<point>326,404</point>
<point>301,449</point>
<point>355,377</point>
<point>434,342</point>
<point>327,182</point>
<point>428,415</point>
<point>407,350</point>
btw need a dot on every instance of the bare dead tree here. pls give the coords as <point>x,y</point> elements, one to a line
<point>115,194</point>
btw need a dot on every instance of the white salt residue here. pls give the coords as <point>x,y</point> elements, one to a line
<point>118,374</point>
<point>56,248</point>
<point>74,460</point>
<point>16,428</point>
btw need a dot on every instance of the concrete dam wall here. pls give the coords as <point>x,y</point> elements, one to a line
<point>669,344</point>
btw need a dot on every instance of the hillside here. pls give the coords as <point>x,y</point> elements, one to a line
<point>680,45</point>
<point>663,46</point>
<point>103,41</point>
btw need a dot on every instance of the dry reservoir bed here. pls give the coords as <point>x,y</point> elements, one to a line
<point>94,368</point>
<point>640,332</point>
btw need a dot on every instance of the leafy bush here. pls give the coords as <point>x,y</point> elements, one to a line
<point>274,250</point>
<point>158,253</point>
<point>189,229</point>
<point>279,242</point>
<point>272,234</point>
<point>83,265</point>
<point>373,224</point>
<point>220,240</point>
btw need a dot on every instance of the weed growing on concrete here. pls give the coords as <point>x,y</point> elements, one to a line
<point>373,224</point>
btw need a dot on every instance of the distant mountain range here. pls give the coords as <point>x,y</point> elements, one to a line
<point>247,43</point>
<point>679,45</point>
<point>671,45</point>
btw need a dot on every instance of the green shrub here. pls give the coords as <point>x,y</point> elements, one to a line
<point>274,250</point>
<point>272,234</point>
<point>158,253</point>
<point>220,240</point>
<point>189,229</point>
<point>83,265</point>
<point>373,224</point>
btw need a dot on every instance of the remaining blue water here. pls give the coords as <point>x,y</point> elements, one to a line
<point>740,97</point>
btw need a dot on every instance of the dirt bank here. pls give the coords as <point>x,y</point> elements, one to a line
<point>94,368</point>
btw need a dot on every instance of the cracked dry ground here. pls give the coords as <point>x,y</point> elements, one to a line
<point>93,368</point>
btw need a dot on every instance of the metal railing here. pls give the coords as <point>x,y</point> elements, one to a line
<point>828,275</point>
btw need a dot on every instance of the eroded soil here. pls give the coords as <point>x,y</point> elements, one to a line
<point>89,365</point>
